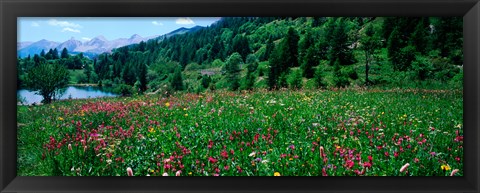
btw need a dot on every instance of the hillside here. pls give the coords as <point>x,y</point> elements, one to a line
<point>272,52</point>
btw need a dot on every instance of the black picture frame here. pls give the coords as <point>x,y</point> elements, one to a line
<point>11,9</point>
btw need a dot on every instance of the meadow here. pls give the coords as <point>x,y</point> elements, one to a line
<point>350,132</point>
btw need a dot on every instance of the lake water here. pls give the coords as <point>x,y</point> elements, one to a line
<point>71,92</point>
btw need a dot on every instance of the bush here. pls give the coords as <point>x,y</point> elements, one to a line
<point>295,79</point>
<point>123,89</point>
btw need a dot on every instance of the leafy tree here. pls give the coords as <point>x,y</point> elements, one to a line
<point>177,81</point>
<point>369,42</point>
<point>47,79</point>
<point>233,70</point>
<point>240,44</point>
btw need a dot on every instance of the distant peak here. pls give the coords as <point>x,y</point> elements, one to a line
<point>72,38</point>
<point>101,37</point>
<point>135,36</point>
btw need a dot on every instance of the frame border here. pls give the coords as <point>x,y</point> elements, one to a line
<point>11,9</point>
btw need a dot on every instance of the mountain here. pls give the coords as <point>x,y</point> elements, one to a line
<point>70,44</point>
<point>183,30</point>
<point>93,47</point>
<point>21,45</point>
<point>37,47</point>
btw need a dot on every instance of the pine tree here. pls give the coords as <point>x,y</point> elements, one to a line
<point>340,44</point>
<point>55,54</point>
<point>42,53</point>
<point>142,77</point>
<point>177,80</point>
<point>291,47</point>
<point>64,54</point>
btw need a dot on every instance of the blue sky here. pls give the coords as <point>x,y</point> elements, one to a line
<point>60,29</point>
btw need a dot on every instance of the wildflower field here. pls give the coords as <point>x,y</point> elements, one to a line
<point>263,133</point>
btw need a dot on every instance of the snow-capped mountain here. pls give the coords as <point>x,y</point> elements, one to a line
<point>94,46</point>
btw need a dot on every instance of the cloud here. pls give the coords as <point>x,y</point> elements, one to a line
<point>70,30</point>
<point>157,23</point>
<point>184,21</point>
<point>86,39</point>
<point>54,22</point>
<point>35,24</point>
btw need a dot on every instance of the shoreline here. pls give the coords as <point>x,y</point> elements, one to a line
<point>84,85</point>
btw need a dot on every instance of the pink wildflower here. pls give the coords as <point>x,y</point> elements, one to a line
<point>129,171</point>
<point>454,172</point>
<point>404,167</point>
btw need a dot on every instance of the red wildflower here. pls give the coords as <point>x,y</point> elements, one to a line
<point>224,154</point>
<point>212,160</point>
<point>349,164</point>
<point>395,154</point>
<point>367,164</point>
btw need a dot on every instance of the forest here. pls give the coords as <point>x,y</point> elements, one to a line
<point>247,53</point>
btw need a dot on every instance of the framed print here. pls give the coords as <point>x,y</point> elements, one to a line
<point>251,96</point>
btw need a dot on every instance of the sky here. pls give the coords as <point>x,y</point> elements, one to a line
<point>60,29</point>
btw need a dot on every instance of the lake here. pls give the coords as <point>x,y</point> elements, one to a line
<point>71,92</point>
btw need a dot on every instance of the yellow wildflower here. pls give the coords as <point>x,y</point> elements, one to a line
<point>167,104</point>
<point>60,118</point>
<point>276,174</point>
<point>445,167</point>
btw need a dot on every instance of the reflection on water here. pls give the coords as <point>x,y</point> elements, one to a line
<point>71,92</point>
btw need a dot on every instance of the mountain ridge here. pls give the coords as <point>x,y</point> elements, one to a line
<point>92,47</point>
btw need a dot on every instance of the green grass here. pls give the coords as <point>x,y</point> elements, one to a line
<point>74,74</point>
<point>246,134</point>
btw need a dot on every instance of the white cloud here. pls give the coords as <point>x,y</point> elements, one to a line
<point>54,22</point>
<point>184,21</point>
<point>86,39</point>
<point>70,30</point>
<point>35,24</point>
<point>157,23</point>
